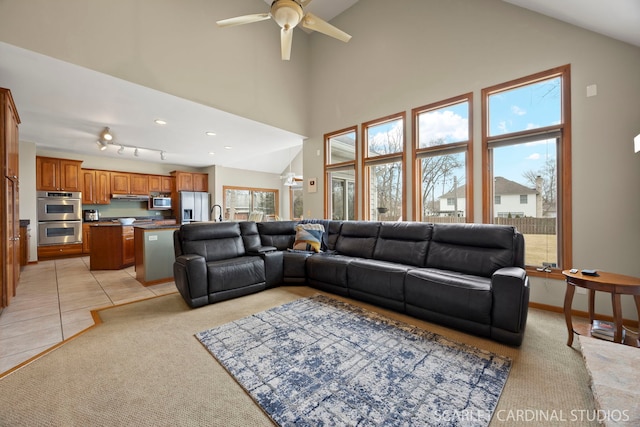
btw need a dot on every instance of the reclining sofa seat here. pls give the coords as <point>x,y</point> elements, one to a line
<point>473,280</point>
<point>212,265</point>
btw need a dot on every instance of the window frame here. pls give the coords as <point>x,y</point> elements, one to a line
<point>368,161</point>
<point>336,167</point>
<point>251,191</point>
<point>466,146</point>
<point>564,208</point>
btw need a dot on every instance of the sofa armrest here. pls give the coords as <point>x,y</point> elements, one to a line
<point>190,274</point>
<point>261,250</point>
<point>510,288</point>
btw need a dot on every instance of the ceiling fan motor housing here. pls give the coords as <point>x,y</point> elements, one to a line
<point>287,13</point>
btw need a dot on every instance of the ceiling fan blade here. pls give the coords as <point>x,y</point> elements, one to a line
<point>286,38</point>
<point>312,22</point>
<point>246,19</point>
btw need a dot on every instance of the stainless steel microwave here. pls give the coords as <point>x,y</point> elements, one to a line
<point>161,202</point>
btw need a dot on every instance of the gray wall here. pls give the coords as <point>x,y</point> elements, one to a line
<point>403,54</point>
<point>432,50</point>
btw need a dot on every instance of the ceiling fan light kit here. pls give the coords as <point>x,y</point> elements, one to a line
<point>288,14</point>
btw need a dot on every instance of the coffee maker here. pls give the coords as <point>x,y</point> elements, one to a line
<point>91,215</point>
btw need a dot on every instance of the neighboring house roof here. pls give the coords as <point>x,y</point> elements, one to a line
<point>503,186</point>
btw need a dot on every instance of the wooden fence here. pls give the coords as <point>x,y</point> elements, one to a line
<point>524,225</point>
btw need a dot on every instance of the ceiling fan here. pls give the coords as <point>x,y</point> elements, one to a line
<point>288,14</point>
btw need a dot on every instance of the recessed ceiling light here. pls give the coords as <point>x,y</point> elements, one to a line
<point>227,147</point>
<point>211,153</point>
<point>210,133</point>
<point>160,122</point>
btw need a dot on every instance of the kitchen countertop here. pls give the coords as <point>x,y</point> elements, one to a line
<point>156,227</point>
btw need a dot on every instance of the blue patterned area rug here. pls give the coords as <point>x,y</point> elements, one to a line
<point>319,361</point>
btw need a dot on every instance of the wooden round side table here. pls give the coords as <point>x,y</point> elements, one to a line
<point>615,284</point>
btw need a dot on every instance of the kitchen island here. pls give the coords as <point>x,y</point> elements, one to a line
<point>112,246</point>
<point>154,254</point>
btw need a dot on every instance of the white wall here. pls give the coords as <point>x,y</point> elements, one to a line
<point>176,47</point>
<point>27,194</point>
<point>432,50</point>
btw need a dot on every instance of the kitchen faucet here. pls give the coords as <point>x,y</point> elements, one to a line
<point>211,212</point>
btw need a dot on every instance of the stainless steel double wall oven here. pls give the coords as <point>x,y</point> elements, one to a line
<point>59,217</point>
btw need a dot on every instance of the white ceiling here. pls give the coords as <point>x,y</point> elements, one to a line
<point>59,108</point>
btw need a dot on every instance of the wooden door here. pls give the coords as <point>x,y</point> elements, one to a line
<point>155,183</point>
<point>47,174</point>
<point>86,242</point>
<point>88,187</point>
<point>200,182</point>
<point>11,149</point>
<point>120,183</point>
<point>167,184</point>
<point>103,188</point>
<point>70,177</point>
<point>128,246</point>
<point>139,184</point>
<point>184,181</point>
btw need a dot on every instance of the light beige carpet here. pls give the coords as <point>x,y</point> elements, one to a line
<point>143,366</point>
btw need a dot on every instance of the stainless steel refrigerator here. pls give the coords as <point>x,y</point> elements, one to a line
<point>194,206</point>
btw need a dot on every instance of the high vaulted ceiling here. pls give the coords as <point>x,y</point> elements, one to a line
<point>59,108</point>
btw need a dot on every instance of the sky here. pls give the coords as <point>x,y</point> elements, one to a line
<point>530,107</point>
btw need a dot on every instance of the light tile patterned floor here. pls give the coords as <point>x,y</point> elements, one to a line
<point>54,300</point>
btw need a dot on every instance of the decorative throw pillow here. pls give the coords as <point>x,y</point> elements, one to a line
<point>308,237</point>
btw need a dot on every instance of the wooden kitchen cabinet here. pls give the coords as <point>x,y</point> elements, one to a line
<point>160,184</point>
<point>129,183</point>
<point>191,181</point>
<point>138,183</point>
<point>96,187</point>
<point>9,203</point>
<point>112,247</point>
<point>53,174</point>
<point>86,236</point>
<point>120,183</point>
<point>128,245</point>
<point>200,182</point>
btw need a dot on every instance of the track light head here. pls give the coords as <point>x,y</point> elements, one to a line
<point>121,149</point>
<point>102,145</point>
<point>106,135</point>
<point>136,153</point>
<point>163,155</point>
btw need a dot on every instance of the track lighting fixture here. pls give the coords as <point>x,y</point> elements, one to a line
<point>106,138</point>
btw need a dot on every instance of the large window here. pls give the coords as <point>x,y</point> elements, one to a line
<point>340,174</point>
<point>242,203</point>
<point>442,153</point>
<point>384,168</point>
<point>527,164</point>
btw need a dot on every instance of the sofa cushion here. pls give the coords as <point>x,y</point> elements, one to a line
<point>329,269</point>
<point>233,273</point>
<point>478,249</point>
<point>213,241</point>
<point>380,278</point>
<point>403,242</point>
<point>308,237</point>
<point>358,238</point>
<point>280,234</point>
<point>450,292</point>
